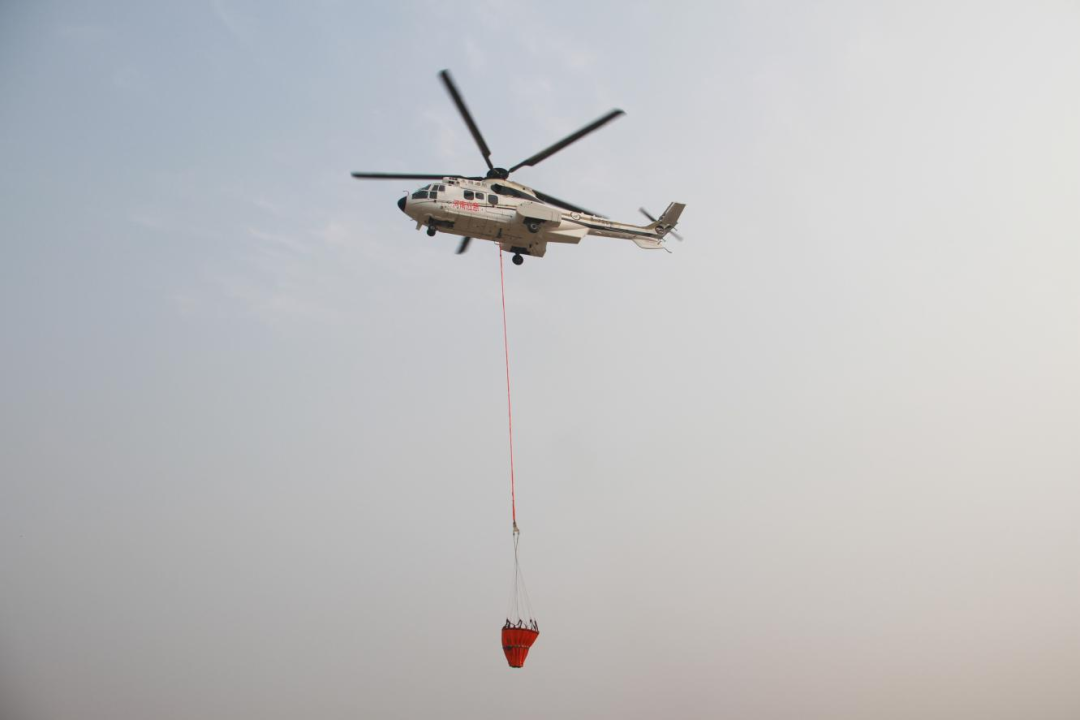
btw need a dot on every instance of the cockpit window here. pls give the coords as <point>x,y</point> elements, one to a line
<point>442,188</point>
<point>419,195</point>
<point>493,199</point>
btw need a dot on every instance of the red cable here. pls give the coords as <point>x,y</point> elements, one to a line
<point>509,409</point>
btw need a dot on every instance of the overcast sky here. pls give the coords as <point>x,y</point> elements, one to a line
<point>821,462</point>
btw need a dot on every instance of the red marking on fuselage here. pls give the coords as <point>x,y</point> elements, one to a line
<point>466,205</point>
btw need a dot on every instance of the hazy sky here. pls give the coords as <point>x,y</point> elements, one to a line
<point>821,462</point>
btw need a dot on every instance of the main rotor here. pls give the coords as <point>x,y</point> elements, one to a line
<point>493,172</point>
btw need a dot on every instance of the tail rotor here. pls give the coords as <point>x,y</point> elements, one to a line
<point>672,233</point>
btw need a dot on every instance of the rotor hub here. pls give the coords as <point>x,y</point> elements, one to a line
<point>498,173</point>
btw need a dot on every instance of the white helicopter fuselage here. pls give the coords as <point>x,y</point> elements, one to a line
<point>513,215</point>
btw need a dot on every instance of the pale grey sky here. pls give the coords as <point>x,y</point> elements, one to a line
<point>821,462</point>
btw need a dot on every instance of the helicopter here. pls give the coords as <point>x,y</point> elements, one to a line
<point>520,219</point>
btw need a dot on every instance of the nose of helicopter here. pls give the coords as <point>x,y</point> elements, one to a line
<point>401,204</point>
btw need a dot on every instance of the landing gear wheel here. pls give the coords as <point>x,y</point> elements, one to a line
<point>517,260</point>
<point>533,227</point>
<point>431,230</point>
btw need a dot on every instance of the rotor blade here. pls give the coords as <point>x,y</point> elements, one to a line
<point>406,176</point>
<point>543,154</point>
<point>563,204</point>
<point>672,233</point>
<point>464,245</point>
<point>456,97</point>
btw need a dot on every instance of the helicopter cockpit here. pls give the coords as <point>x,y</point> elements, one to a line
<point>429,192</point>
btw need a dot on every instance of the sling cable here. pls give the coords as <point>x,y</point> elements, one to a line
<point>521,628</point>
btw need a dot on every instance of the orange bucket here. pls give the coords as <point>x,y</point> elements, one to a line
<point>516,642</point>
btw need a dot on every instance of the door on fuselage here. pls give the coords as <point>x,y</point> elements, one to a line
<point>480,216</point>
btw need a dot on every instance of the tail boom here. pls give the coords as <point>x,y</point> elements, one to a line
<point>648,237</point>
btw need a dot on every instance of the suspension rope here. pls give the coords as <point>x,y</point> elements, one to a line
<point>519,610</point>
<point>509,408</point>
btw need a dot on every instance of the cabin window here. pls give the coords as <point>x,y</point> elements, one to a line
<point>468,194</point>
